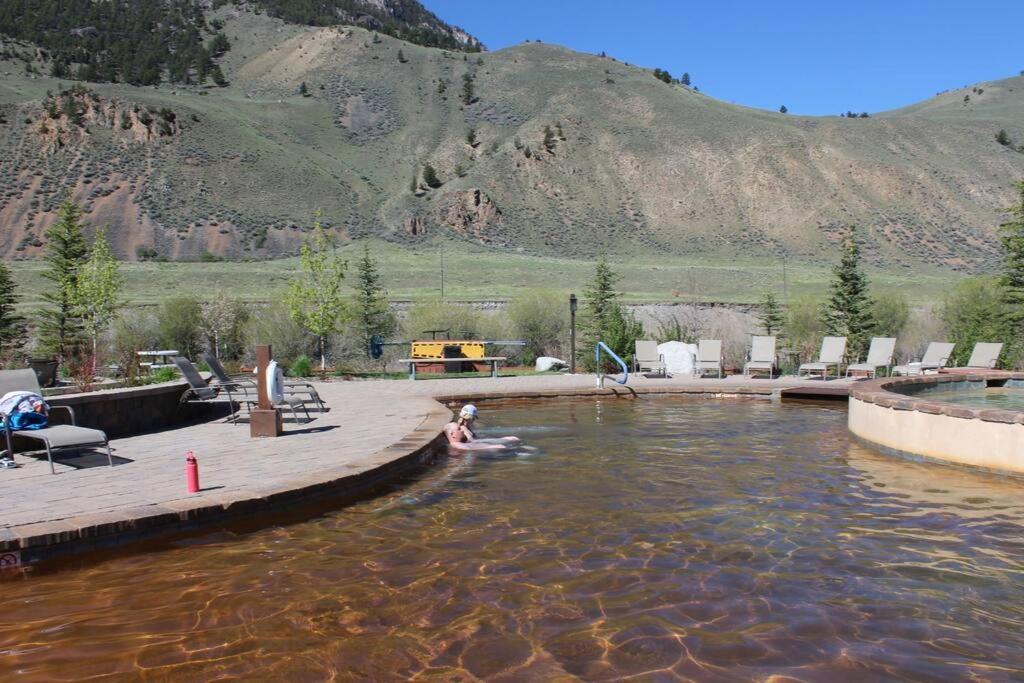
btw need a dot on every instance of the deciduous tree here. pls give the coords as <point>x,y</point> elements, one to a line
<point>98,291</point>
<point>315,297</point>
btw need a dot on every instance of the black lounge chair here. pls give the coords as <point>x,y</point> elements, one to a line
<point>63,436</point>
<point>227,381</point>
<point>200,392</point>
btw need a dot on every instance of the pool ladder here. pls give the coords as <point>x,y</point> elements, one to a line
<point>600,375</point>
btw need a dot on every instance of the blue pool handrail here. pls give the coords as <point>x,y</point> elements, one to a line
<point>600,375</point>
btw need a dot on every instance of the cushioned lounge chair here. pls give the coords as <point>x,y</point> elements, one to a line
<point>646,357</point>
<point>985,355</point>
<point>879,356</point>
<point>709,356</point>
<point>56,437</point>
<point>935,357</point>
<point>248,384</point>
<point>832,351</point>
<point>761,357</point>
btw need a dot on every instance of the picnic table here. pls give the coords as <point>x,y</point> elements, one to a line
<point>154,360</point>
<point>493,360</point>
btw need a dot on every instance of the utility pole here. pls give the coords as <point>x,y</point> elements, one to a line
<point>572,334</point>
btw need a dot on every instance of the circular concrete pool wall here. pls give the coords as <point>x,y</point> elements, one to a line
<point>901,414</point>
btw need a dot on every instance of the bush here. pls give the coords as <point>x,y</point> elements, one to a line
<point>134,330</point>
<point>540,318</point>
<point>181,325</point>
<point>163,375</point>
<point>890,313</point>
<point>974,312</point>
<point>462,322</point>
<point>301,367</point>
<point>804,328</point>
<point>273,324</point>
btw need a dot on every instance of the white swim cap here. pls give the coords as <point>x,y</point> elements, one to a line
<point>468,412</point>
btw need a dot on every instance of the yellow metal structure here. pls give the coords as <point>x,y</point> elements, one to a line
<point>434,348</point>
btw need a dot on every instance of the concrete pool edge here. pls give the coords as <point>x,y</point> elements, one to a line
<point>28,544</point>
<point>981,438</point>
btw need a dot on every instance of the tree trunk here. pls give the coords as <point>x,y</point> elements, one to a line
<point>323,355</point>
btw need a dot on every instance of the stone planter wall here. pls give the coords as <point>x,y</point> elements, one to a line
<point>135,410</point>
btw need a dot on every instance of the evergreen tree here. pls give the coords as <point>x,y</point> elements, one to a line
<point>848,310</point>
<point>467,88</point>
<point>685,80</point>
<point>430,177</point>
<point>1002,138</point>
<point>1011,234</point>
<point>771,315</point>
<point>549,139</point>
<point>304,89</point>
<point>60,327</point>
<point>314,297</point>
<point>372,313</point>
<point>471,137</point>
<point>601,312</point>
<point>401,57</point>
<point>12,325</point>
<point>783,110</point>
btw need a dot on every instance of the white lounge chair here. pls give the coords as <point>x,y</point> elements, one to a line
<point>985,355</point>
<point>709,357</point>
<point>762,356</point>
<point>832,351</point>
<point>646,357</point>
<point>879,356</point>
<point>935,357</point>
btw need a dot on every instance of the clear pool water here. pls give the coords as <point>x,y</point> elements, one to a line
<point>655,539</point>
<point>1003,398</point>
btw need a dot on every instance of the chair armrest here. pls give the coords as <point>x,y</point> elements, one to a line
<point>71,412</point>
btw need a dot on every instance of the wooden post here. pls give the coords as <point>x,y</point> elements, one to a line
<point>264,419</point>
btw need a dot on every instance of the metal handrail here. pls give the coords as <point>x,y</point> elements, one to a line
<point>600,375</point>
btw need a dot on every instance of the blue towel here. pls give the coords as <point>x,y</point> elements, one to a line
<point>27,420</point>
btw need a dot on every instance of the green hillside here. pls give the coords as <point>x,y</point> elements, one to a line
<point>631,166</point>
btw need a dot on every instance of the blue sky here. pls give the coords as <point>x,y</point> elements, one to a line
<point>815,57</point>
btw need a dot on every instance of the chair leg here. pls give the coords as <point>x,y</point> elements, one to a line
<point>49,456</point>
<point>110,457</point>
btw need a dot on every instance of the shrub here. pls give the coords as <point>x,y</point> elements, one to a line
<point>462,322</point>
<point>301,367</point>
<point>804,327</point>
<point>974,312</point>
<point>890,313</point>
<point>540,318</point>
<point>163,375</point>
<point>181,325</point>
<point>273,324</point>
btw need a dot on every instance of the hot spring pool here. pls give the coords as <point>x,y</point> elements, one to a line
<point>714,540</point>
<point>976,395</point>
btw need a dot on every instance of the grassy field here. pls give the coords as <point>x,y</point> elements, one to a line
<point>477,274</point>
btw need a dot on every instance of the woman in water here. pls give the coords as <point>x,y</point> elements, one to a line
<point>460,434</point>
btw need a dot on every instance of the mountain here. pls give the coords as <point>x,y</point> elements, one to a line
<point>536,148</point>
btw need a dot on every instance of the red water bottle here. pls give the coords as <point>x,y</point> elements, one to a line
<point>191,472</point>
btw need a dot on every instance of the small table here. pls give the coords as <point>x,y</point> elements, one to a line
<point>160,359</point>
<point>413,362</point>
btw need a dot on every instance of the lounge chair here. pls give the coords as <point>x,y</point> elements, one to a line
<point>832,351</point>
<point>762,356</point>
<point>709,356</point>
<point>985,355</point>
<point>879,356</point>
<point>647,357</point>
<point>200,392</point>
<point>63,436</point>
<point>247,384</point>
<point>935,357</point>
